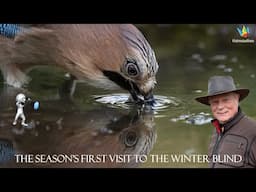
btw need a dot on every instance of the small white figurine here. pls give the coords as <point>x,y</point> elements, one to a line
<point>20,102</point>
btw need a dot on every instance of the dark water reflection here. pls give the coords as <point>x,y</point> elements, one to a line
<point>92,123</point>
<point>100,137</point>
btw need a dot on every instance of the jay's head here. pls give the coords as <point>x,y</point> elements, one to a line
<point>137,71</point>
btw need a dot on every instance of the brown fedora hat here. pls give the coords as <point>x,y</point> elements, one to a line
<point>218,85</point>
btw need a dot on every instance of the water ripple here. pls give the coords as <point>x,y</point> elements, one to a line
<point>120,100</point>
<point>195,119</point>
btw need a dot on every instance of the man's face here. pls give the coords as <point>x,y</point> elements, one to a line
<point>224,106</point>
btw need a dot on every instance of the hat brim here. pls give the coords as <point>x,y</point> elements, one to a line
<point>242,92</point>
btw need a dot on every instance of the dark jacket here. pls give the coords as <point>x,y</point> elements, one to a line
<point>233,144</point>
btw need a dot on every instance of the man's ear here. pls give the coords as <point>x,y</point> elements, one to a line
<point>237,96</point>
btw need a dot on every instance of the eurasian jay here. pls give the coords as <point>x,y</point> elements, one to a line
<point>108,56</point>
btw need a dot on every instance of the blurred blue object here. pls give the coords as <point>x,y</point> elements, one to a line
<point>9,30</point>
<point>36,105</point>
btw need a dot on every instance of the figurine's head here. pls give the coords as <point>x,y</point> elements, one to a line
<point>21,98</point>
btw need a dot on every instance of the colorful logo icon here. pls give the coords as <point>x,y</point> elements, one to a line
<point>244,32</point>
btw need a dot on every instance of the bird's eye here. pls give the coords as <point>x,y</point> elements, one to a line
<point>132,69</point>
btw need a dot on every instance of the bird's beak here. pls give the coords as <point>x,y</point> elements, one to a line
<point>141,97</point>
<point>149,98</point>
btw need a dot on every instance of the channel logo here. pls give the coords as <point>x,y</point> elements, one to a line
<point>244,33</point>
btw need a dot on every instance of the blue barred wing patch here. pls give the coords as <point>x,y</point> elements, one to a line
<point>9,30</point>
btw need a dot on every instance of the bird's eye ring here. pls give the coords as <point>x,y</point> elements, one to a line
<point>132,69</point>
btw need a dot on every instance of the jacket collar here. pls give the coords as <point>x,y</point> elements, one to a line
<point>221,128</point>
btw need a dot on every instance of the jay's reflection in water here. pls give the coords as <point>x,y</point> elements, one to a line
<point>99,138</point>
